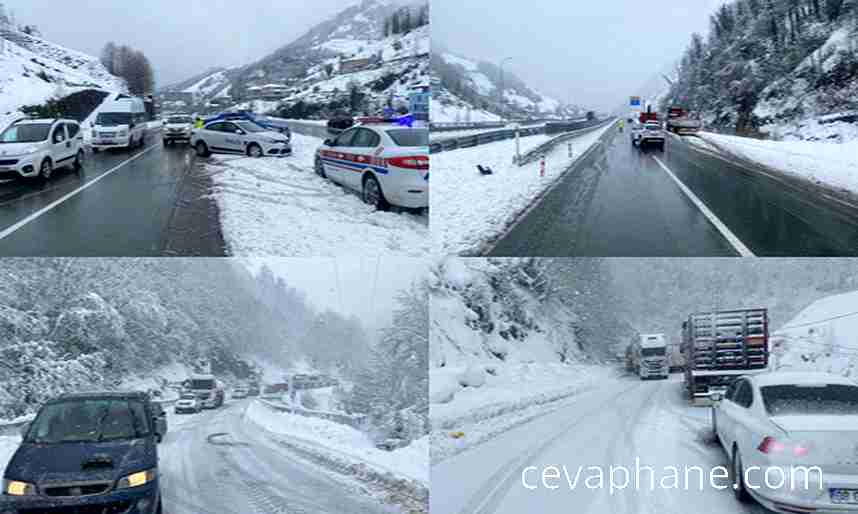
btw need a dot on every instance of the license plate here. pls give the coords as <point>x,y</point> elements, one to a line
<point>844,496</point>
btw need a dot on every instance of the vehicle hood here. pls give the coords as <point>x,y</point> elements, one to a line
<point>183,126</point>
<point>81,461</point>
<point>270,134</point>
<point>186,402</point>
<point>12,149</point>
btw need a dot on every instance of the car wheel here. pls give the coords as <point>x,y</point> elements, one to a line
<point>373,195</point>
<point>142,142</point>
<point>739,489</point>
<point>78,160</point>
<point>320,168</point>
<point>254,150</point>
<point>160,509</point>
<point>166,142</point>
<point>202,149</point>
<point>46,169</point>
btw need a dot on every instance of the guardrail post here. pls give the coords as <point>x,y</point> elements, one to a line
<point>542,166</point>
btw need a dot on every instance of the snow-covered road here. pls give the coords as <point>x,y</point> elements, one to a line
<point>219,462</point>
<point>623,420</point>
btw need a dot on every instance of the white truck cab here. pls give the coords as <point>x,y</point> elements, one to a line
<point>652,358</point>
<point>121,124</point>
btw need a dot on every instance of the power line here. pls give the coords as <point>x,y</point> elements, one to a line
<point>848,314</point>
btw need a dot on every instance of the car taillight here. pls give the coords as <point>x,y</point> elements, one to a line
<point>416,162</point>
<point>770,445</point>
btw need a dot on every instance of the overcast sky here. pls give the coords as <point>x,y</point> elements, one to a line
<point>594,53</point>
<point>181,37</point>
<point>346,285</point>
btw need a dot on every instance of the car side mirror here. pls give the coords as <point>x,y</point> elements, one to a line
<point>329,142</point>
<point>25,428</point>
<point>716,396</point>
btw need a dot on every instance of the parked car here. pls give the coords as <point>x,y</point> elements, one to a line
<point>387,163</point>
<point>239,137</point>
<point>239,392</point>
<point>177,127</point>
<point>121,124</point>
<point>93,452</point>
<point>265,122</point>
<point>188,402</point>
<point>36,147</point>
<point>786,419</point>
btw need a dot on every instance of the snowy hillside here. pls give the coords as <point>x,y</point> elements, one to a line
<point>469,88</point>
<point>785,67</point>
<point>352,61</point>
<point>33,70</point>
<point>822,337</point>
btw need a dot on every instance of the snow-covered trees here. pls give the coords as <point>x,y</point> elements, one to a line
<point>132,65</point>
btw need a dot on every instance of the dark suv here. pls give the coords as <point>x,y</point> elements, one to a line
<point>93,453</point>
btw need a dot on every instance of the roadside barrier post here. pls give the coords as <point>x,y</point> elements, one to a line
<point>542,166</point>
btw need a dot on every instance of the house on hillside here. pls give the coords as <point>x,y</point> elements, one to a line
<point>359,64</point>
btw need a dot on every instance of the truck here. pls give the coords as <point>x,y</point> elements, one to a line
<point>681,123</point>
<point>649,356</point>
<point>720,346</point>
<point>120,124</point>
<point>207,388</point>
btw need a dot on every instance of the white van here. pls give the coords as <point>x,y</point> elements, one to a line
<point>122,124</point>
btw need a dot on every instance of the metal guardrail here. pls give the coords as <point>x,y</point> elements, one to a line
<point>455,143</point>
<point>354,421</point>
<point>451,126</point>
<point>535,153</point>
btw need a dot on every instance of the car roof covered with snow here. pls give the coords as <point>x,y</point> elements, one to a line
<point>799,378</point>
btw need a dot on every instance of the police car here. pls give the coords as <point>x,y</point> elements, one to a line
<point>35,147</point>
<point>383,160</point>
<point>239,137</point>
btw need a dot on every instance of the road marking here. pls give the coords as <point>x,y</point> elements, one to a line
<point>14,228</point>
<point>731,238</point>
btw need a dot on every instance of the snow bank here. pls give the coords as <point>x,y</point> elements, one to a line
<point>832,164</point>
<point>468,209</point>
<point>822,337</point>
<point>8,445</point>
<point>279,206</point>
<point>411,462</point>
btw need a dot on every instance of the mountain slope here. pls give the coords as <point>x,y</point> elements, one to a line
<point>469,90</point>
<point>788,67</point>
<point>34,70</point>
<point>357,49</point>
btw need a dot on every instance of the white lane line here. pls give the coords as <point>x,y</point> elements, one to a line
<point>731,238</point>
<point>17,226</point>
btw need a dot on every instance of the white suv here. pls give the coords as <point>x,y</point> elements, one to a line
<point>35,147</point>
<point>239,137</point>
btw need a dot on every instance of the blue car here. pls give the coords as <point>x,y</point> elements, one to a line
<point>262,121</point>
<point>87,453</point>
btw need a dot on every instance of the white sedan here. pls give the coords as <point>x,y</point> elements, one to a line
<point>792,440</point>
<point>188,403</point>
<point>239,137</point>
<point>387,163</point>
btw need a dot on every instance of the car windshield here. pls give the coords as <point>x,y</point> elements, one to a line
<point>652,352</point>
<point>651,126</point>
<point>249,127</point>
<point>179,119</point>
<point>187,396</point>
<point>808,400</point>
<point>409,137</point>
<point>202,383</point>
<point>108,119</point>
<point>29,133</point>
<point>92,420</point>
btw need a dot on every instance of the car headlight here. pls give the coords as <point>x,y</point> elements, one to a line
<point>137,479</point>
<point>18,488</point>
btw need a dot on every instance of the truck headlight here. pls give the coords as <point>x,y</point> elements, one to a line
<point>137,479</point>
<point>18,488</point>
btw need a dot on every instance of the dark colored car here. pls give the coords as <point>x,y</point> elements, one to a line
<point>340,122</point>
<point>87,453</point>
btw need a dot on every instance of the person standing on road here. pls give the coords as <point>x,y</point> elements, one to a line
<point>198,123</point>
<point>622,125</point>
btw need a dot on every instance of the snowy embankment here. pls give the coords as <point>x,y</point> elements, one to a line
<point>832,164</point>
<point>469,209</point>
<point>8,445</point>
<point>410,462</point>
<point>822,337</point>
<point>280,207</point>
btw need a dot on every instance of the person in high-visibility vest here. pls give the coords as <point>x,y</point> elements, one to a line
<point>622,125</point>
<point>198,124</point>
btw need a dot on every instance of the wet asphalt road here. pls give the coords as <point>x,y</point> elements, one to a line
<point>619,202</point>
<point>126,212</point>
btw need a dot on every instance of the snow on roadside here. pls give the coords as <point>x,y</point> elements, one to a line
<point>411,462</point>
<point>832,164</point>
<point>280,207</point>
<point>515,394</point>
<point>8,445</point>
<point>468,209</point>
